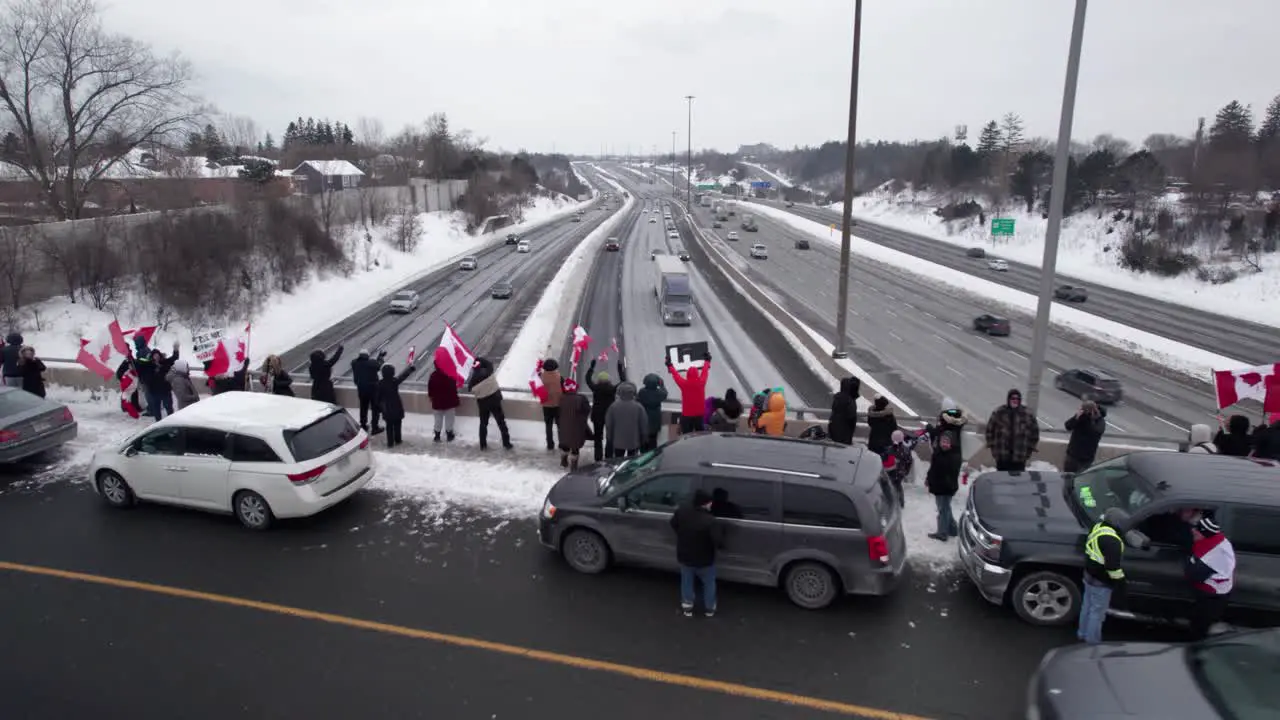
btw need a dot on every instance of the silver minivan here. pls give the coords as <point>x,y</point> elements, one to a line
<point>817,519</point>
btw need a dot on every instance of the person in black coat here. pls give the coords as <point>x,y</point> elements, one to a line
<point>11,354</point>
<point>943,478</point>
<point>274,377</point>
<point>1086,428</point>
<point>484,386</point>
<point>881,423</point>
<point>392,405</point>
<point>844,411</point>
<point>152,368</point>
<point>364,371</point>
<point>32,369</point>
<point>698,535</point>
<point>321,371</point>
<point>603,393</point>
<point>1235,439</point>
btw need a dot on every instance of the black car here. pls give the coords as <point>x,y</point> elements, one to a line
<point>976,252</point>
<point>1223,678</point>
<point>1071,293</point>
<point>1021,535</point>
<point>991,325</point>
<point>682,254</point>
<point>512,238</point>
<point>716,224</point>
<point>1090,384</point>
<point>802,244</point>
<point>612,245</point>
<point>501,291</point>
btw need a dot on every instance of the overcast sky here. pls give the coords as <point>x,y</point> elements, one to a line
<point>578,74</point>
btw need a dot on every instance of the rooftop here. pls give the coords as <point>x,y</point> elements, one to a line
<point>1208,477</point>
<point>229,411</point>
<point>332,168</point>
<point>832,461</point>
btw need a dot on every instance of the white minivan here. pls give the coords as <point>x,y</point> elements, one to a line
<point>256,456</point>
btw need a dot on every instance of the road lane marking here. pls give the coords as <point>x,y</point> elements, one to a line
<point>894,335</point>
<point>890,312</point>
<point>939,338</point>
<point>1055,372</point>
<point>954,325</point>
<point>1116,427</point>
<point>1155,392</point>
<point>1018,354</point>
<point>985,340</point>
<point>1044,422</point>
<point>1170,424</point>
<point>544,656</point>
<point>955,371</point>
<point>1006,372</point>
<point>929,314</point>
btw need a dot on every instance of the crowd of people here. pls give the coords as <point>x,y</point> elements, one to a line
<point>1236,436</point>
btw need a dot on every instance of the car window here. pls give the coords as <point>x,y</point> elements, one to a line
<point>1086,378</point>
<point>1110,485</point>
<point>205,442</point>
<point>741,499</point>
<point>245,448</point>
<point>663,493</point>
<point>165,441</point>
<point>1255,530</point>
<point>321,437</point>
<point>820,507</point>
<point>17,401</point>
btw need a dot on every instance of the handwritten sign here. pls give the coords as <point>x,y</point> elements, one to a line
<point>205,341</point>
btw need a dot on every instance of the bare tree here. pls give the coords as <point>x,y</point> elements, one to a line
<point>328,209</point>
<point>101,266</point>
<point>406,229</point>
<point>241,133</point>
<point>16,258</point>
<point>1118,147</point>
<point>371,134</point>
<point>62,259</point>
<point>81,99</point>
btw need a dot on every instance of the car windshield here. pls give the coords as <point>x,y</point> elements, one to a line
<point>1107,485</point>
<point>1237,673</point>
<point>404,295</point>
<point>631,472</point>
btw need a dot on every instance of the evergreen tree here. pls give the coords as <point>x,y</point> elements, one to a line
<point>991,139</point>
<point>1097,173</point>
<point>324,133</point>
<point>195,144</point>
<point>290,135</point>
<point>268,145</point>
<point>310,135</point>
<point>1012,132</point>
<point>257,171</point>
<point>215,148</point>
<point>348,137</point>
<point>10,147</point>
<point>1269,130</point>
<point>1232,127</point>
<point>1032,175</point>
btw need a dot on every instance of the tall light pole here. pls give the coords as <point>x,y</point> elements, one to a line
<point>846,224</point>
<point>673,163</point>
<point>689,171</point>
<point>1057,197</point>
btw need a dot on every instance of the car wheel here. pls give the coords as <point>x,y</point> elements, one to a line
<point>586,551</point>
<point>114,490</point>
<point>252,510</point>
<point>1046,599</point>
<point>811,585</point>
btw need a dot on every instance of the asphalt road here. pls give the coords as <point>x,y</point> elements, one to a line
<point>918,339</point>
<point>933,649</point>
<point>1249,342</point>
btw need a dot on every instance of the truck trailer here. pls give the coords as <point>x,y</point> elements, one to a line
<point>673,290</point>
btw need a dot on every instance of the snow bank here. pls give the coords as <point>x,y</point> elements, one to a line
<point>1191,361</point>
<point>634,171</point>
<point>1088,250</point>
<point>557,301</point>
<point>781,179</point>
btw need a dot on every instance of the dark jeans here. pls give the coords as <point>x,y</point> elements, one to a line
<point>1207,610</point>
<point>602,448</point>
<point>691,424</point>
<point>616,453</point>
<point>157,399</point>
<point>393,427</point>
<point>1075,465</point>
<point>1007,465</point>
<point>549,417</point>
<point>499,418</point>
<point>368,405</point>
<point>650,442</point>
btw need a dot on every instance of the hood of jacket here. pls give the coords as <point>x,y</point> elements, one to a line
<point>14,339</point>
<point>652,381</point>
<point>1200,433</point>
<point>1013,393</point>
<point>851,386</point>
<point>880,403</point>
<point>627,391</point>
<point>951,419</point>
<point>777,403</point>
<point>180,367</point>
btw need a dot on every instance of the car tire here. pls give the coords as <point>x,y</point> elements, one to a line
<point>115,490</point>
<point>586,551</point>
<point>811,585</point>
<point>1046,598</point>
<point>252,510</point>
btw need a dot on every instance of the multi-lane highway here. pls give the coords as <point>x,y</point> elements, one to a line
<point>1229,336</point>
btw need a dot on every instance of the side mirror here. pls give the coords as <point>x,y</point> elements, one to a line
<point>131,451</point>
<point>1138,539</point>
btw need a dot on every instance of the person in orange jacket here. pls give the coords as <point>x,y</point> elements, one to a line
<point>773,421</point>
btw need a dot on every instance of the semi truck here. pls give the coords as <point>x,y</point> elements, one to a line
<point>706,200</point>
<point>721,212</point>
<point>673,290</point>
<point>749,222</point>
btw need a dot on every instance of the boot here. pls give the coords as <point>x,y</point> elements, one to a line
<point>449,436</point>
<point>564,459</point>
<point>484,445</point>
<point>573,463</point>
<point>506,444</point>
<point>436,438</point>
<point>376,430</point>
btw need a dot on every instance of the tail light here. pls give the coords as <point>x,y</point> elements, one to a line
<point>67,416</point>
<point>364,443</point>
<point>308,476</point>
<point>878,549</point>
<point>9,436</point>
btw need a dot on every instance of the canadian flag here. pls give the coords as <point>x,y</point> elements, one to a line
<point>103,354</point>
<point>580,342</point>
<point>1260,383</point>
<point>453,357</point>
<point>229,354</point>
<point>536,385</point>
<point>615,345</point>
<point>413,353</point>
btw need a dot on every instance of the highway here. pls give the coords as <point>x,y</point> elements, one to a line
<point>917,338</point>
<point>462,298</point>
<point>1250,342</point>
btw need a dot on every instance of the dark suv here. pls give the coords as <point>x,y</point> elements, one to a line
<point>818,519</point>
<point>1070,293</point>
<point>1022,536</point>
<point>1090,385</point>
<point>991,325</point>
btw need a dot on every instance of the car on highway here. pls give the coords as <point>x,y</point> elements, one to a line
<point>653,254</point>
<point>653,220</point>
<point>501,290</point>
<point>1021,534</point>
<point>790,204</point>
<point>1071,293</point>
<point>802,244</point>
<point>405,301</point>
<point>576,218</point>
<point>976,252</point>
<point>1224,677</point>
<point>524,247</point>
<point>731,235</point>
<point>716,224</point>
<point>759,252</point>
<point>612,245</point>
<point>682,254</point>
<point>30,424</point>
<point>817,519</point>
<point>998,265</point>
<point>469,263</point>
<point>512,238</point>
<point>1090,384</point>
<point>673,235</point>
<point>257,456</point>
<point>991,325</point>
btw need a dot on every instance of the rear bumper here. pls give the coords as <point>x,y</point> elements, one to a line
<point>305,502</point>
<point>40,443</point>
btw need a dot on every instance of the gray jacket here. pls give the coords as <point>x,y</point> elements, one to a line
<point>626,424</point>
<point>179,377</point>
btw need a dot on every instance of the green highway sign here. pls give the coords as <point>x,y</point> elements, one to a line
<point>707,186</point>
<point>1001,227</point>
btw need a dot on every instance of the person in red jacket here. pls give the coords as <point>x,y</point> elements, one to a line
<point>693,393</point>
<point>442,389</point>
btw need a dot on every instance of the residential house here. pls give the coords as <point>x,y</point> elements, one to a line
<point>321,175</point>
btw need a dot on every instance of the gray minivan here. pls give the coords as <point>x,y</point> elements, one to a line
<point>818,519</point>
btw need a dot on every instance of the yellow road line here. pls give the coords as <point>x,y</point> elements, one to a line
<point>630,671</point>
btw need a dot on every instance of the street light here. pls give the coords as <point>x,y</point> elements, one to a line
<point>673,163</point>
<point>689,171</point>
<point>1057,197</point>
<point>846,229</point>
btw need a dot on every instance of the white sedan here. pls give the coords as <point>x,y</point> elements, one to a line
<point>673,235</point>
<point>469,263</point>
<point>998,265</point>
<point>759,252</point>
<point>256,456</point>
<point>733,235</point>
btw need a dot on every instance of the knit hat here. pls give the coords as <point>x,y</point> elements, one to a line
<point>570,385</point>
<point>602,376</point>
<point>1208,526</point>
<point>897,437</point>
<point>364,352</point>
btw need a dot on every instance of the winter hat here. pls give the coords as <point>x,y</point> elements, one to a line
<point>364,352</point>
<point>14,339</point>
<point>897,437</point>
<point>570,385</point>
<point>388,371</point>
<point>181,367</point>
<point>947,404</point>
<point>1208,526</point>
<point>1014,393</point>
<point>27,350</point>
<point>626,391</point>
<point>731,395</point>
<point>880,402</point>
<point>550,365</point>
<point>602,376</point>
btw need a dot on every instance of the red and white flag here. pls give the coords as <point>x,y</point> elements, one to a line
<point>229,354</point>
<point>536,385</point>
<point>615,345</point>
<point>453,357</point>
<point>603,357</point>
<point>1260,383</point>
<point>580,342</point>
<point>413,353</point>
<point>99,356</point>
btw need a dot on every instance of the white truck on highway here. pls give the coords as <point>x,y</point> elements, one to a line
<point>721,212</point>
<point>749,222</point>
<point>673,290</point>
<point>706,200</point>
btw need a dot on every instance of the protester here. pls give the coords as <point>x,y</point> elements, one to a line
<point>484,386</point>
<point>1234,440</point>
<point>1086,428</point>
<point>152,367</point>
<point>1103,573</point>
<point>228,382</point>
<point>843,422</point>
<point>575,410</point>
<point>364,372</point>
<point>626,422</point>
<point>274,377</point>
<point>392,406</point>
<point>899,460</point>
<point>442,390</point>
<point>727,413</point>
<point>773,421</point>
<point>1013,434</point>
<point>32,370</point>
<point>651,396</point>
<point>184,390</point>
<point>1266,443</point>
<point>947,461</point>
<point>693,390</point>
<point>1198,440</point>
<point>1211,569</point>
<point>698,535</point>
<point>759,403</point>
<point>603,393</point>
<point>321,370</point>
<point>12,353</point>
<point>881,423</point>
<point>551,380</point>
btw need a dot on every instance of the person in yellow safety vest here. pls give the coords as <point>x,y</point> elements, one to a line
<point>1104,552</point>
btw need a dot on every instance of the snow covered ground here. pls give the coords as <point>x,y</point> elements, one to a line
<point>1191,361</point>
<point>287,320</point>
<point>1086,251</point>
<point>782,180</point>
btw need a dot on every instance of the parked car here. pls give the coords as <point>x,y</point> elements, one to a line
<point>469,263</point>
<point>790,204</point>
<point>576,218</point>
<point>524,247</point>
<point>759,252</point>
<point>991,325</point>
<point>30,424</point>
<point>1021,535</point>
<point>1071,293</point>
<point>976,252</point>
<point>802,244</point>
<point>1222,678</point>
<point>257,456</point>
<point>1090,385</point>
<point>501,290</point>
<point>731,235</point>
<point>612,245</point>
<point>998,265</point>
<point>405,301</point>
<point>682,254</point>
<point>817,519</point>
<point>512,238</point>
